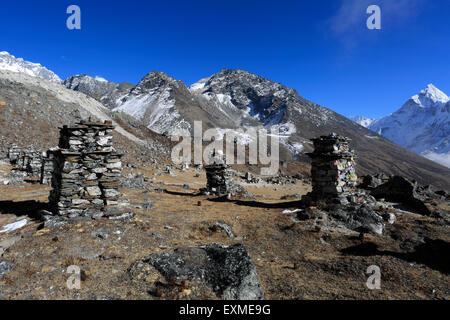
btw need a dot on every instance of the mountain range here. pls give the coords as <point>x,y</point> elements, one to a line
<point>422,125</point>
<point>233,99</point>
<point>11,63</point>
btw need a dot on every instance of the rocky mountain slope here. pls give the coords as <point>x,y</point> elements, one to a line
<point>422,125</point>
<point>273,105</point>
<point>104,91</point>
<point>32,109</point>
<point>11,63</point>
<point>153,102</point>
<point>233,99</point>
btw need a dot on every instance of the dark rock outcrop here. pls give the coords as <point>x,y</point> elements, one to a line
<point>225,270</point>
<point>402,190</point>
<point>359,218</point>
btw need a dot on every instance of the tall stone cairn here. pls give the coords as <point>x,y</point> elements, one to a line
<point>219,178</point>
<point>33,163</point>
<point>87,172</point>
<point>48,166</point>
<point>332,167</point>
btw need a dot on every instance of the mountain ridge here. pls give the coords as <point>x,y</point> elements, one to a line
<point>236,99</point>
<point>11,63</point>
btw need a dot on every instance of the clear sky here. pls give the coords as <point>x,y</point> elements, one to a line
<point>322,49</point>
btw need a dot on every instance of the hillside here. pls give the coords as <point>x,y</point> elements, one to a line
<point>233,99</point>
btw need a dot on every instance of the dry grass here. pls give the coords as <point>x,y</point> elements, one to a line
<point>293,261</point>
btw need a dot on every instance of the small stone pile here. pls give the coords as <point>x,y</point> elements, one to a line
<point>332,168</point>
<point>340,205</point>
<point>87,173</point>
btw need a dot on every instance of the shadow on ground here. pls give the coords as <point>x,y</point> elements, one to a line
<point>22,208</point>
<point>181,193</point>
<point>258,204</point>
<point>433,253</point>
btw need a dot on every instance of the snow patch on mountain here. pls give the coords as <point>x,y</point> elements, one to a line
<point>199,86</point>
<point>11,63</point>
<point>295,148</point>
<point>98,78</point>
<point>155,109</point>
<point>152,102</point>
<point>362,121</point>
<point>441,158</point>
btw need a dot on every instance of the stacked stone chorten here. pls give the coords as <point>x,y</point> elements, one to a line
<point>219,178</point>
<point>14,154</point>
<point>87,172</point>
<point>48,166</point>
<point>332,167</point>
<point>27,160</point>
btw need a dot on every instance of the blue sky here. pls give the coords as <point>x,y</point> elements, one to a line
<point>320,48</point>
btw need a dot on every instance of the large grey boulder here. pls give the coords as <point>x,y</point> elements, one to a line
<point>364,219</point>
<point>359,218</point>
<point>400,189</point>
<point>227,270</point>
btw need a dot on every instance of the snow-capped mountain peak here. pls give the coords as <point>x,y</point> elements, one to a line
<point>11,63</point>
<point>421,125</point>
<point>362,121</point>
<point>101,79</point>
<point>430,97</point>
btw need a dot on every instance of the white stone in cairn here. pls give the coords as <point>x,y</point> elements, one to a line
<point>114,165</point>
<point>111,193</point>
<point>93,191</point>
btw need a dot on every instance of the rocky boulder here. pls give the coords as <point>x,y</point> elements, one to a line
<point>365,220</point>
<point>226,271</point>
<point>359,218</point>
<point>370,182</point>
<point>402,190</point>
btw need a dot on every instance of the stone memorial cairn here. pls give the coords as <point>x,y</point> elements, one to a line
<point>33,163</point>
<point>14,154</point>
<point>332,168</point>
<point>28,160</point>
<point>219,178</point>
<point>48,166</point>
<point>87,173</point>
